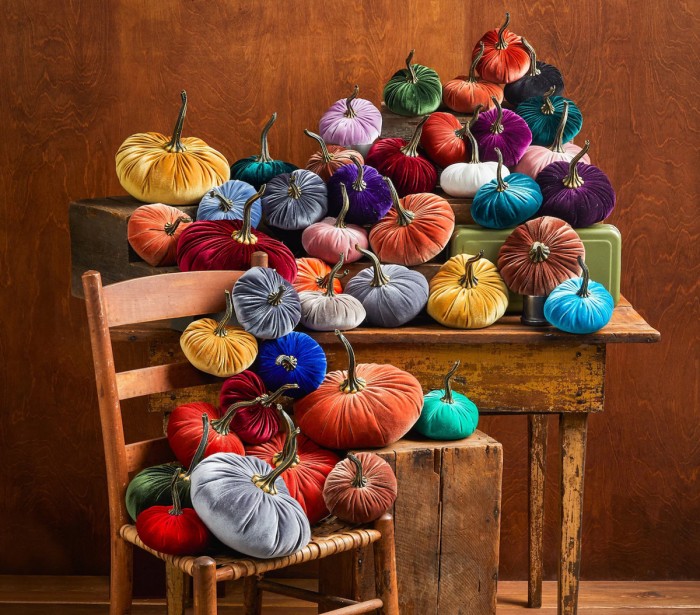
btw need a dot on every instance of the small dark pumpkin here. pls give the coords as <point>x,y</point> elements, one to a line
<point>540,78</point>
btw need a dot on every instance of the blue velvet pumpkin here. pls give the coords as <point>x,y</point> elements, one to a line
<point>579,305</point>
<point>500,204</point>
<point>226,202</point>
<point>542,115</point>
<point>295,358</point>
<point>295,200</point>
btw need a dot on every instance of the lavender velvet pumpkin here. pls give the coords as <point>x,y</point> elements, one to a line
<point>581,194</point>
<point>351,122</point>
<point>502,129</point>
<point>369,196</point>
<point>293,201</point>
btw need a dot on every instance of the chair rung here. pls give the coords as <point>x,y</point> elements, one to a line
<point>361,607</point>
<point>302,594</point>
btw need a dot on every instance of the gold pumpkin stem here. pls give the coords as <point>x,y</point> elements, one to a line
<point>175,145</point>
<point>330,291</point>
<point>547,107</point>
<point>270,398</point>
<point>264,147</point>
<point>469,280</point>
<point>411,148</point>
<point>288,428</point>
<point>276,297</point>
<point>573,179</point>
<point>171,227</point>
<point>411,77</point>
<point>176,510</point>
<point>583,291</point>
<point>472,69</point>
<point>359,480</point>
<point>340,220</point>
<point>534,71</point>
<point>244,234</point>
<point>472,143</point>
<point>359,184</point>
<point>225,204</point>
<point>404,217</point>
<point>322,283</point>
<point>220,330</point>
<point>293,191</point>
<point>558,143</point>
<point>380,278</point>
<point>288,362</point>
<point>475,116</point>
<point>199,453</point>
<point>447,397</point>
<point>539,252</point>
<point>349,111</point>
<point>325,154</point>
<point>501,185</point>
<point>353,383</point>
<point>497,126</point>
<point>501,44</point>
<point>222,425</point>
<point>267,482</point>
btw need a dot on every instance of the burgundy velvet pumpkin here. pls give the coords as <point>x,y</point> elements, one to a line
<point>503,129</point>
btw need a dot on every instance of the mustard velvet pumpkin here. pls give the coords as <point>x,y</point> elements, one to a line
<point>467,293</point>
<point>175,170</point>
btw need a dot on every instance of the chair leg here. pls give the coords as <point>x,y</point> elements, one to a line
<point>252,596</point>
<point>175,589</point>
<point>204,592</point>
<point>121,577</point>
<point>385,567</point>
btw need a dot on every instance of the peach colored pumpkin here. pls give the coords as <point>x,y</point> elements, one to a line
<point>466,92</point>
<point>153,231</point>
<point>329,158</point>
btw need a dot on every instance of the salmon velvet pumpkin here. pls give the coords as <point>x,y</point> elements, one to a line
<point>505,58</point>
<point>153,232</point>
<point>312,274</point>
<point>329,158</point>
<point>158,169</point>
<point>368,405</point>
<point>465,93</point>
<point>443,139</point>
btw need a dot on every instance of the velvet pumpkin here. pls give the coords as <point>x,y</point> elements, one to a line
<point>576,192</point>
<point>447,415</point>
<point>467,293</point>
<point>331,236</point>
<point>399,160</point>
<point>158,169</point>
<point>501,204</point>
<point>464,93</point>
<point>246,505</point>
<point>153,231</point>
<point>230,245</point>
<point>295,358</point>
<point>414,90</point>
<point>368,405</point>
<point>329,158</point>
<point>367,193</point>
<point>312,274</point>
<point>505,59</point>
<point>503,129</point>
<point>392,295</point>
<point>543,115</point>
<point>260,169</point>
<point>361,488</point>
<point>351,122</point>
<point>579,305</point>
<point>443,138</point>
<point>294,200</point>
<point>227,202</point>
<point>266,305</point>
<point>539,78</point>
<point>326,311</point>
<point>217,348</point>
<point>539,255</point>
<point>415,230</point>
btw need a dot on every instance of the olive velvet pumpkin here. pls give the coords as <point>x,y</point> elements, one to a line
<point>539,78</point>
<point>505,59</point>
<point>312,274</point>
<point>414,90</point>
<point>542,115</point>
<point>294,200</point>
<point>329,158</point>
<point>352,122</point>
<point>153,232</point>
<point>503,129</point>
<point>227,202</point>
<point>464,93</point>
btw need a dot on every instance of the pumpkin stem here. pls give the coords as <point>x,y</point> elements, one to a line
<point>547,107</point>
<point>380,278</point>
<point>244,234</point>
<point>330,291</point>
<point>267,482</point>
<point>469,280</point>
<point>558,143</point>
<point>340,220</point>
<point>171,227</point>
<point>573,179</point>
<point>327,156</point>
<point>220,330</point>
<point>411,148</point>
<point>175,145</point>
<point>359,480</point>
<point>583,291</point>
<point>472,143</point>
<point>222,425</point>
<point>293,191</point>
<point>475,115</point>
<point>447,397</point>
<point>287,361</point>
<point>276,297</point>
<point>264,148</point>
<point>501,185</point>
<point>225,204</point>
<point>411,77</point>
<point>176,510</point>
<point>497,126</point>
<point>277,458</point>
<point>199,453</point>
<point>539,252</point>
<point>472,69</point>
<point>322,283</point>
<point>502,44</point>
<point>404,217</point>
<point>349,111</point>
<point>359,184</point>
<point>270,398</point>
<point>534,71</point>
<point>352,384</point>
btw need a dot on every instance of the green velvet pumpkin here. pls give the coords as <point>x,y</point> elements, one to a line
<point>447,415</point>
<point>414,90</point>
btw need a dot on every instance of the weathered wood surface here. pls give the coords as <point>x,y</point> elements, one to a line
<point>537,459</point>
<point>394,125</point>
<point>176,584</point>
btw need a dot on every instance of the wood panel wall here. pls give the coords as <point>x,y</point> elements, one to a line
<point>80,76</point>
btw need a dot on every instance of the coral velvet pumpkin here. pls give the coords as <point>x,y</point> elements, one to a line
<point>465,93</point>
<point>543,115</point>
<point>443,138</point>
<point>540,254</point>
<point>351,122</point>
<point>503,129</point>
<point>414,90</point>
<point>505,58</point>
<point>368,405</point>
<point>227,202</point>
<point>539,78</point>
<point>467,293</point>
<point>329,158</point>
<point>158,169</point>
<point>361,488</point>
<point>312,274</point>
<point>367,193</point>
<point>294,200</point>
<point>153,231</point>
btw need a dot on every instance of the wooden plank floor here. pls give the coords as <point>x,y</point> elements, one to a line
<point>88,596</point>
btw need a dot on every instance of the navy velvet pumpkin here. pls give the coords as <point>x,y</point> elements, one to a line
<point>540,78</point>
<point>227,201</point>
<point>542,114</point>
<point>293,201</point>
<point>368,194</point>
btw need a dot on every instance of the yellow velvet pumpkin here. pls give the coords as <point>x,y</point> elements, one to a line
<point>179,171</point>
<point>218,348</point>
<point>467,293</point>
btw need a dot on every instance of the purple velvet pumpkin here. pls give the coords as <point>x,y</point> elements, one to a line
<point>581,194</point>
<point>368,193</point>
<point>502,129</point>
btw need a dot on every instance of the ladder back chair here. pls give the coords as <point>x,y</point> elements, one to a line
<point>169,296</point>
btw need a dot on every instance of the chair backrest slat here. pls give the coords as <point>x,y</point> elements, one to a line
<point>160,379</point>
<point>140,455</point>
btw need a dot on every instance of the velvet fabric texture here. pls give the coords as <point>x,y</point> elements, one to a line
<point>537,158</point>
<point>176,532</point>
<point>226,202</point>
<point>534,83</point>
<point>328,238</point>
<point>505,58</point>
<point>266,305</point>
<point>294,200</point>
<point>152,487</point>
<point>540,254</point>
<point>360,494</point>
<point>503,129</point>
<point>466,92</point>
<point>443,139</point>
<point>312,274</point>
<point>153,232</point>
<point>441,420</point>
<point>323,312</point>
<point>368,194</point>
<point>543,114</point>
<point>243,516</point>
<point>464,179</point>
<point>351,121</point>
<point>329,158</point>
<point>414,90</point>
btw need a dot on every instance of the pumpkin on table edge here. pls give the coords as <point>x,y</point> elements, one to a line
<point>351,122</point>
<point>414,90</point>
<point>227,202</point>
<point>153,231</point>
<point>465,92</point>
<point>329,158</point>
<point>504,129</point>
<point>543,115</point>
<point>504,59</point>
<point>539,78</point>
<point>312,274</point>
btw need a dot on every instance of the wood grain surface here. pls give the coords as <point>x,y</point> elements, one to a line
<point>79,77</point>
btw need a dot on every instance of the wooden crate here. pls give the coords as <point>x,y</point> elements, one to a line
<point>394,125</point>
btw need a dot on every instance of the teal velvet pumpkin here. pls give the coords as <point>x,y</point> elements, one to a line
<point>258,170</point>
<point>579,305</point>
<point>543,114</point>
<point>447,415</point>
<point>500,204</point>
<point>414,90</point>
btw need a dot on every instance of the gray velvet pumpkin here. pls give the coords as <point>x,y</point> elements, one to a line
<point>327,311</point>
<point>246,505</point>
<point>392,295</point>
<point>295,200</point>
<point>266,305</point>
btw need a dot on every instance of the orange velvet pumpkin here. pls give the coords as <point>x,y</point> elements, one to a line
<point>505,59</point>
<point>329,158</point>
<point>368,405</point>
<point>153,231</point>
<point>465,93</point>
<point>312,274</point>
<point>416,229</point>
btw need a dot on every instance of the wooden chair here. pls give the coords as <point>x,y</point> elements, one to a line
<point>171,296</point>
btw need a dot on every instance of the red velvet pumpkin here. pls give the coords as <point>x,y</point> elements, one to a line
<point>312,274</point>
<point>330,157</point>
<point>361,488</point>
<point>444,139</point>
<point>505,59</point>
<point>153,231</point>
<point>368,406</point>
<point>464,93</point>
<point>229,245</point>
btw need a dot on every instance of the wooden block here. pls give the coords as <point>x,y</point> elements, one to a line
<point>394,125</point>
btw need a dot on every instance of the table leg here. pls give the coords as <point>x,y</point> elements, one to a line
<point>572,432</point>
<point>537,456</point>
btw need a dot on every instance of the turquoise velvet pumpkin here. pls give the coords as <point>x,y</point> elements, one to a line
<point>447,415</point>
<point>543,113</point>
<point>414,90</point>
<point>500,204</point>
<point>579,305</point>
<point>227,202</point>
<point>295,200</point>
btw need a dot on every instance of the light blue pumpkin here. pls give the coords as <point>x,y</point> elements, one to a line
<point>503,204</point>
<point>295,200</point>
<point>579,305</point>
<point>226,202</point>
<point>543,114</point>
